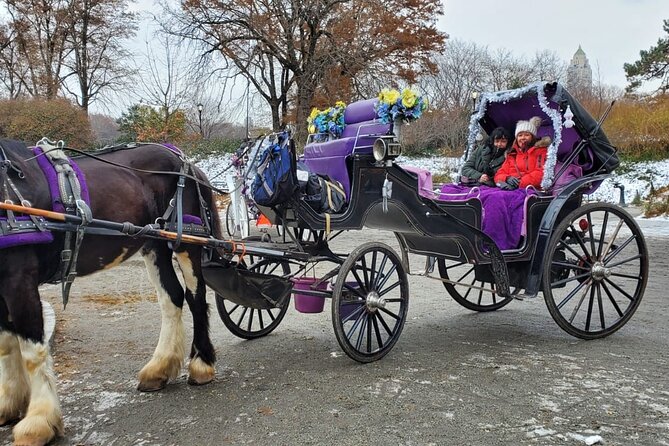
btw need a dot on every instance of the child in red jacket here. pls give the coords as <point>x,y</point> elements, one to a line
<point>524,164</point>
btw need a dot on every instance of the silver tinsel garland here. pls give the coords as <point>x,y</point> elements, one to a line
<point>507,96</point>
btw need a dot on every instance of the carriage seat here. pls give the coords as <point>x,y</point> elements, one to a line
<point>361,130</point>
<point>425,187</point>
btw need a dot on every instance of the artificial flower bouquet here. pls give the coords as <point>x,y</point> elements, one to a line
<point>327,123</point>
<point>406,106</point>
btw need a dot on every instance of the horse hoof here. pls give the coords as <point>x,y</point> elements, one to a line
<point>36,431</point>
<point>200,373</point>
<point>152,385</point>
<point>30,442</point>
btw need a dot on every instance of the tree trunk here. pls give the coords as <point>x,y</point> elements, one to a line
<point>305,96</point>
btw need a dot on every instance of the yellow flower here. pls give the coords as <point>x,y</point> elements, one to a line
<point>408,98</point>
<point>388,96</point>
<point>312,129</point>
<point>314,113</point>
<point>340,104</point>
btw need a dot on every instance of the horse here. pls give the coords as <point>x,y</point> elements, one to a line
<point>120,194</point>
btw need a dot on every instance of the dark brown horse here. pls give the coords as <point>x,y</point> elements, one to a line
<point>27,383</point>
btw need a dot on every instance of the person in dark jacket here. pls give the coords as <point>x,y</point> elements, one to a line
<point>484,162</point>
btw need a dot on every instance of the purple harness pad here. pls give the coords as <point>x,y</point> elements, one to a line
<point>189,219</point>
<point>503,211</point>
<point>24,238</point>
<point>52,178</point>
<point>173,148</point>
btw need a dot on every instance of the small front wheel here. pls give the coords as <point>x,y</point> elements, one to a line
<point>369,302</point>
<point>251,323</point>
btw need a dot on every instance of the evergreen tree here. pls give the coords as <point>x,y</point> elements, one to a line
<point>652,64</point>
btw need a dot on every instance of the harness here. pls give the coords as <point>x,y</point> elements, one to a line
<point>69,195</point>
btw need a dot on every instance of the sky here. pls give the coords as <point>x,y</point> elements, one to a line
<point>611,32</point>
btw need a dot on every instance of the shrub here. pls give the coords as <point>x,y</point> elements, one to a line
<point>30,120</point>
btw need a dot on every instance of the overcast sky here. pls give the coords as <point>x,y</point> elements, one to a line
<point>611,32</point>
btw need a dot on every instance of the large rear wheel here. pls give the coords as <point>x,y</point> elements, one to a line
<point>595,271</point>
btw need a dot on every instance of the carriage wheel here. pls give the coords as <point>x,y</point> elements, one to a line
<point>251,323</point>
<point>595,271</point>
<point>369,302</point>
<point>482,299</point>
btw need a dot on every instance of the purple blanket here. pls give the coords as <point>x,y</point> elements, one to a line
<point>503,210</point>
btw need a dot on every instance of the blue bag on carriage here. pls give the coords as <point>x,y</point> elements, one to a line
<point>276,181</point>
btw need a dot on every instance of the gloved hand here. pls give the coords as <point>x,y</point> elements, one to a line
<point>513,182</point>
<point>504,186</point>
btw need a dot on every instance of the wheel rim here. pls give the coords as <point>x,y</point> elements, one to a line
<point>370,301</point>
<point>250,323</point>
<point>596,271</point>
<point>476,295</point>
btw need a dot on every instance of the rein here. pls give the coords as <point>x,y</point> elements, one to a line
<point>152,172</point>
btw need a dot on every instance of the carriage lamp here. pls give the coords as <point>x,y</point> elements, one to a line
<point>385,149</point>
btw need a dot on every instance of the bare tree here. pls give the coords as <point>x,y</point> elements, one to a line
<point>38,30</point>
<point>311,39</point>
<point>98,60</point>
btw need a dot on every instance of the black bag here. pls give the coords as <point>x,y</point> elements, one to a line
<point>276,181</point>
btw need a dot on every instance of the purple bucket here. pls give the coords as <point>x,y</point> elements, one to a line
<point>304,303</point>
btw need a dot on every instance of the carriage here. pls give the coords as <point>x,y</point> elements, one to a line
<point>589,260</point>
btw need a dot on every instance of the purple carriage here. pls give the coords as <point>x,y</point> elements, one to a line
<point>589,260</point>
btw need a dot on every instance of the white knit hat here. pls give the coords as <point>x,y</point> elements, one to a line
<point>529,126</point>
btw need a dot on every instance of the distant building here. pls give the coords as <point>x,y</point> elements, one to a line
<point>579,73</point>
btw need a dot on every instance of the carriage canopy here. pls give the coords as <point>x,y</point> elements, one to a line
<point>550,101</point>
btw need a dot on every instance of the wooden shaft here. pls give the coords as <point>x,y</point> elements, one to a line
<point>33,211</point>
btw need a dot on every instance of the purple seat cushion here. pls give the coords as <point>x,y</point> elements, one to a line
<point>360,111</point>
<point>424,181</point>
<point>371,127</point>
<point>337,147</point>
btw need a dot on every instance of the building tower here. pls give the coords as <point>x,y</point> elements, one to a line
<point>579,73</point>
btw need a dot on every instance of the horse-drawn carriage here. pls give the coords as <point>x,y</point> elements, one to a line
<point>589,260</point>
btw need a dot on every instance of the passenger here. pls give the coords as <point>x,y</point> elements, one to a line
<point>484,162</point>
<point>524,164</point>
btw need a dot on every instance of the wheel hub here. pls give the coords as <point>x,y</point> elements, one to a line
<point>374,301</point>
<point>600,272</point>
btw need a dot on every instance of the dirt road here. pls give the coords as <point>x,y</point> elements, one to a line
<point>454,377</point>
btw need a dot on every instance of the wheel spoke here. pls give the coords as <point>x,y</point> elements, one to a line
<point>381,276</point>
<point>357,278</point>
<point>602,235</point>
<point>614,236</point>
<point>455,265</point>
<point>601,306</point>
<point>361,331</point>
<point>580,302</point>
<point>612,299</point>
<point>577,235</point>
<point>619,249</point>
<point>570,279</point>
<point>364,273</point>
<point>369,334</point>
<point>481,293</point>
<point>239,322</point>
<point>570,265</point>
<point>358,291</point>
<point>627,276</point>
<point>386,276</point>
<point>354,326</point>
<point>372,270</point>
<point>385,325</point>
<point>466,274</point>
<point>389,289</point>
<point>619,289</point>
<point>260,320</point>
<point>250,319</point>
<point>591,301</point>
<point>377,332</point>
<point>622,262</point>
<point>355,313</point>
<point>587,258</point>
<point>469,290</point>
<point>389,313</point>
<point>571,294</point>
<point>590,232</point>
